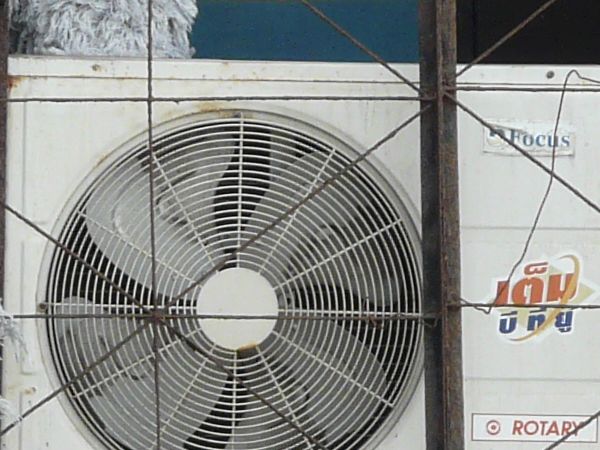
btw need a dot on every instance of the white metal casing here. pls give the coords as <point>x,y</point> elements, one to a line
<point>53,147</point>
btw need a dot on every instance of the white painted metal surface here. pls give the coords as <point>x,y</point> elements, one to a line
<point>238,292</point>
<point>53,147</point>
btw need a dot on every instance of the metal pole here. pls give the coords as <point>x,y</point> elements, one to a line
<point>4,35</point>
<point>440,227</point>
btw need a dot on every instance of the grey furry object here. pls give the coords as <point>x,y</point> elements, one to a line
<point>102,27</point>
<point>9,329</point>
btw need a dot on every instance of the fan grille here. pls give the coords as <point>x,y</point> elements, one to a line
<point>338,364</point>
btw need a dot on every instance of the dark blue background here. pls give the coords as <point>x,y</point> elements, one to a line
<point>287,30</point>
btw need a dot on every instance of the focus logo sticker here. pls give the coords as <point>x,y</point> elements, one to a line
<point>549,281</point>
<point>537,138</point>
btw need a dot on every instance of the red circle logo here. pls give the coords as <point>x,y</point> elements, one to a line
<point>493,427</point>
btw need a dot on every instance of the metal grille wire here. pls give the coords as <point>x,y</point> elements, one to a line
<point>348,255</point>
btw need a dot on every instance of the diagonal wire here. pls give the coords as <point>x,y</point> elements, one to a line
<point>542,204</point>
<point>127,242</point>
<point>186,216</point>
<point>574,431</point>
<point>570,187</point>
<point>338,254</point>
<point>75,379</point>
<point>358,44</point>
<point>193,346</point>
<point>335,177</point>
<point>276,245</point>
<point>280,390</point>
<point>181,397</point>
<point>73,255</point>
<point>534,15</point>
<point>125,369</point>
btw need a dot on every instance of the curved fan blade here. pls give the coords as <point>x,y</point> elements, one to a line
<point>241,420</point>
<point>344,384</point>
<point>85,340</point>
<point>364,270</point>
<point>76,279</point>
<point>118,218</point>
<point>214,431</point>
<point>180,411</point>
<point>258,424</point>
<point>329,228</point>
<point>321,389</point>
<point>327,373</point>
<point>121,391</point>
<point>289,185</point>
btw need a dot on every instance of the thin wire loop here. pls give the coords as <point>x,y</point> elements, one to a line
<point>542,204</point>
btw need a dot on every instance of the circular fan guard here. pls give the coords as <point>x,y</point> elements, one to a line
<point>338,363</point>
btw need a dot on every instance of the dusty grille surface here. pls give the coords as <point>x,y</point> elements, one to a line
<point>321,357</point>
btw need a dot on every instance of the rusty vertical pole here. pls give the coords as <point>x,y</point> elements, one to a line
<point>440,227</point>
<point>4,35</point>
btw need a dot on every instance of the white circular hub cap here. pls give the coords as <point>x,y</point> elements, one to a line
<point>237,292</point>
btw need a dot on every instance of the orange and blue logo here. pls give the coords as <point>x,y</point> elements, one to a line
<point>523,301</point>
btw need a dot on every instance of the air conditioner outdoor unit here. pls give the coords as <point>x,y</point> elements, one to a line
<point>233,160</point>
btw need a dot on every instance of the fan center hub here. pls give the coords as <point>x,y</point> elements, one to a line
<point>237,292</point>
